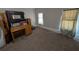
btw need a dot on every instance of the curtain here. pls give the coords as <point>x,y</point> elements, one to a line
<point>68,24</point>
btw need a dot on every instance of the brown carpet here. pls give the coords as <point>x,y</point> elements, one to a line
<point>42,40</point>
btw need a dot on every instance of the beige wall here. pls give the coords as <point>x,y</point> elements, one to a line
<point>51,17</point>
<point>29,12</point>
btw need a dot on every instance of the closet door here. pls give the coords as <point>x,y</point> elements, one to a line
<point>68,23</point>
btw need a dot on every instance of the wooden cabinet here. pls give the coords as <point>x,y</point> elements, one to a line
<point>8,31</point>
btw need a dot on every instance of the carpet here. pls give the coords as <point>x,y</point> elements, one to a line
<point>43,40</point>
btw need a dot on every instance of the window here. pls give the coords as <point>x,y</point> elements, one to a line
<point>40,18</point>
<point>68,22</point>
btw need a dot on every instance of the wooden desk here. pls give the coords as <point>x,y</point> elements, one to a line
<point>27,28</point>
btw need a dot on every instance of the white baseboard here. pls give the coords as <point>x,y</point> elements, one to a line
<point>51,29</point>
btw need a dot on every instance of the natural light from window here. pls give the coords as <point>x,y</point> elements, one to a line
<point>40,18</point>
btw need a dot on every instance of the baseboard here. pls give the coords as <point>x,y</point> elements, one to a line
<point>51,29</point>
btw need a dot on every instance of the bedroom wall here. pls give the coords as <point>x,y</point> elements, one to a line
<point>29,12</point>
<point>51,17</point>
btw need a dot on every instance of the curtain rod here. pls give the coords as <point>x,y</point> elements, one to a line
<point>71,9</point>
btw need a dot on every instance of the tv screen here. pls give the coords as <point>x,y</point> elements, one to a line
<point>16,16</point>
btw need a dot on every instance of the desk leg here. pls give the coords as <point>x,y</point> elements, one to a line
<point>13,37</point>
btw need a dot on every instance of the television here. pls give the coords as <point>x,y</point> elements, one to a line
<point>14,17</point>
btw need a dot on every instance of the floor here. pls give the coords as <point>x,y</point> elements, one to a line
<point>43,40</point>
